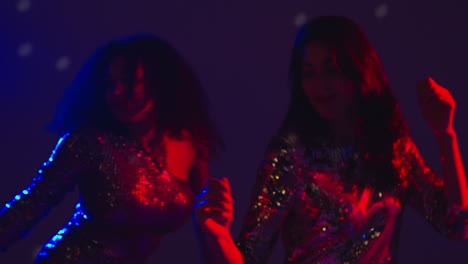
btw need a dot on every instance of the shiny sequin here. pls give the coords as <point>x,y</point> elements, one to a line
<point>306,193</point>
<point>127,201</point>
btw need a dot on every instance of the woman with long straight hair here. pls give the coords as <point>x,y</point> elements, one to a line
<point>342,166</point>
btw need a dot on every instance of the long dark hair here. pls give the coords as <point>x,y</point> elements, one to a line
<point>380,123</point>
<point>180,99</point>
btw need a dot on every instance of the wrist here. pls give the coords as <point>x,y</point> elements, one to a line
<point>210,235</point>
<point>218,236</point>
<point>444,135</point>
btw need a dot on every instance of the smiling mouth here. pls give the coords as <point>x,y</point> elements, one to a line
<point>325,99</point>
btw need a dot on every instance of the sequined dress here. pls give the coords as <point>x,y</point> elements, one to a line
<point>128,201</point>
<point>301,194</point>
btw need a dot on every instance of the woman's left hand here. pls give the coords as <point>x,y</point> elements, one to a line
<point>437,105</point>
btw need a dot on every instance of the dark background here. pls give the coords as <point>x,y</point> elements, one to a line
<point>240,50</point>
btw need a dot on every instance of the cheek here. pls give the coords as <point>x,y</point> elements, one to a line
<point>346,92</point>
<point>309,87</point>
<point>116,104</point>
<point>310,95</point>
<point>140,93</point>
<point>113,100</point>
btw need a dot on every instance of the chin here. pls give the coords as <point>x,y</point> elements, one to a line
<point>128,119</point>
<point>327,115</point>
<point>132,117</point>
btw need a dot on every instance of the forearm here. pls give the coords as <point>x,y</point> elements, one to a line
<point>219,250</point>
<point>453,172</point>
<point>224,251</point>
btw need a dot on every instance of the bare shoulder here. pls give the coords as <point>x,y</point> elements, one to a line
<point>180,154</point>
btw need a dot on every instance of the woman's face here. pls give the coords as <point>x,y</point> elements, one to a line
<point>329,91</point>
<point>128,96</point>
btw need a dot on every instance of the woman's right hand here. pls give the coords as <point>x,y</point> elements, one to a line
<point>214,208</point>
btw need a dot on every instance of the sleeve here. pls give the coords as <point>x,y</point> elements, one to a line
<point>427,196</point>
<point>57,176</point>
<point>271,199</point>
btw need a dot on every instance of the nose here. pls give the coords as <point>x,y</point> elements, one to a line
<point>131,101</point>
<point>128,103</point>
<point>324,83</point>
<point>129,92</point>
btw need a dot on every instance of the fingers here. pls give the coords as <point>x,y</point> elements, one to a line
<point>210,205</point>
<point>217,217</point>
<point>218,188</point>
<point>423,87</point>
<point>216,196</point>
<point>429,85</point>
<point>429,91</point>
<point>433,98</point>
<point>214,204</point>
<point>222,184</point>
<point>213,222</point>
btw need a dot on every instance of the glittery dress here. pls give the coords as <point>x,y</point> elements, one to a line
<point>128,201</point>
<point>301,193</point>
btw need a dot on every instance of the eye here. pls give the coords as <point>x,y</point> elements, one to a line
<point>333,71</point>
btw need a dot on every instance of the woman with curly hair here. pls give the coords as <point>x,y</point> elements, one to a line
<point>136,138</point>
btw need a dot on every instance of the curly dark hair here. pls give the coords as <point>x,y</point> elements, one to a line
<point>380,123</point>
<point>180,100</point>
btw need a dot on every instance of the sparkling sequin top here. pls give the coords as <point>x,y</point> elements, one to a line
<point>127,201</point>
<point>301,193</point>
